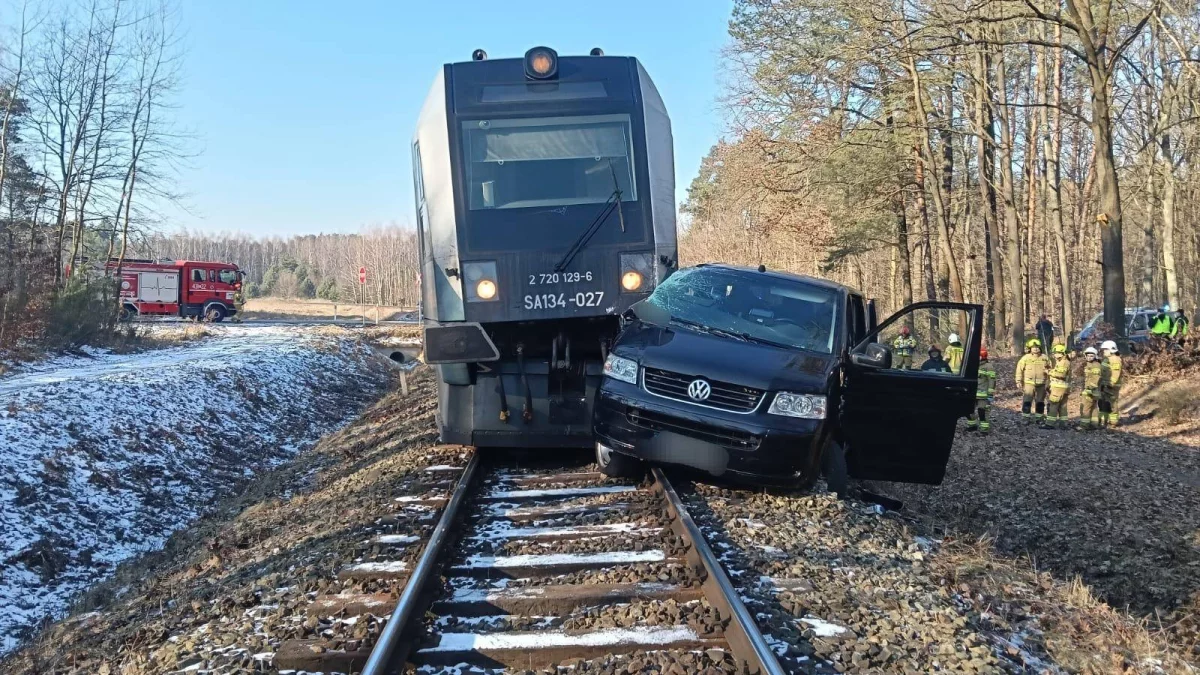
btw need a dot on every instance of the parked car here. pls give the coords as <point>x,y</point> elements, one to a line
<point>776,378</point>
<point>1137,327</point>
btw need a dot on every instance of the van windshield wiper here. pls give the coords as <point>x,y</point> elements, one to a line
<point>703,328</point>
<point>612,203</point>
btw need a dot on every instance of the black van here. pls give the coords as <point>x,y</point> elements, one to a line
<point>778,377</point>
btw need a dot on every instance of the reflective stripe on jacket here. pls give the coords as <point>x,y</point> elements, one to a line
<point>954,356</point>
<point>985,384</point>
<point>1032,369</point>
<point>1060,375</point>
<point>904,346</point>
<point>1110,372</point>
<point>1092,373</point>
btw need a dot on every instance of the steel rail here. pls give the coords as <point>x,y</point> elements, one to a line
<point>761,658</point>
<point>379,663</point>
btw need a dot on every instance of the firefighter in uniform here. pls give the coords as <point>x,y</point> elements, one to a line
<point>239,304</point>
<point>1110,383</point>
<point>985,392</point>
<point>1060,388</point>
<point>1032,372</point>
<point>954,353</point>
<point>1089,404</point>
<point>902,349</point>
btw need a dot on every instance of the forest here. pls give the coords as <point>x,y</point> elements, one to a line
<point>1033,156</point>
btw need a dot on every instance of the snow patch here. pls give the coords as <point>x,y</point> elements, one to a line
<point>462,642</point>
<point>106,455</point>
<point>550,559</point>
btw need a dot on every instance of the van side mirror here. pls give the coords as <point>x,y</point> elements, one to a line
<point>874,356</point>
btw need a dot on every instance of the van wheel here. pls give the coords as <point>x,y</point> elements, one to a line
<point>124,314</point>
<point>833,468</point>
<point>615,465</point>
<point>214,314</point>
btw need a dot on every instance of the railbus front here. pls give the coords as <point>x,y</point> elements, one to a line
<point>545,196</point>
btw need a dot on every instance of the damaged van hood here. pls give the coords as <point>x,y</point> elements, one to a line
<point>690,352</point>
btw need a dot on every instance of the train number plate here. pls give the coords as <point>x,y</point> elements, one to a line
<point>560,278</point>
<point>563,300</point>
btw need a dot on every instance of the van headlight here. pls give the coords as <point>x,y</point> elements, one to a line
<point>621,368</point>
<point>804,406</point>
<point>480,278</point>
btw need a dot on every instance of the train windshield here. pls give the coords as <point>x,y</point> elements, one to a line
<point>548,161</point>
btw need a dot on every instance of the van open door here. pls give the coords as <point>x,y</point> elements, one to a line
<point>898,424</point>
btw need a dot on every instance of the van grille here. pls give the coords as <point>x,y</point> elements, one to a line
<point>725,396</point>
<point>726,438</point>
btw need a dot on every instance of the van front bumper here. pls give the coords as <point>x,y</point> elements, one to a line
<point>762,448</point>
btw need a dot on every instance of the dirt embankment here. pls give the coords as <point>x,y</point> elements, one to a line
<point>105,456</point>
<point>267,546</point>
<point>1117,511</point>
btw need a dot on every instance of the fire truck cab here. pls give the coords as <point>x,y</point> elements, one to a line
<point>184,288</point>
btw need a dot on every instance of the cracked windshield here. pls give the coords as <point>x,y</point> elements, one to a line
<point>768,309</point>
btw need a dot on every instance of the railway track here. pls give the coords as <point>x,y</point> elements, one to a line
<point>531,569</point>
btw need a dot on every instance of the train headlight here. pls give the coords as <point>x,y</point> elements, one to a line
<point>637,272</point>
<point>482,285</point>
<point>631,281</point>
<point>541,63</point>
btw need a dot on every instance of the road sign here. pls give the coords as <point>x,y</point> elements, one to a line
<point>362,275</point>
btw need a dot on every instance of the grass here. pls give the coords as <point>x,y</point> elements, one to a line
<point>1175,403</point>
<point>284,308</point>
<point>1081,632</point>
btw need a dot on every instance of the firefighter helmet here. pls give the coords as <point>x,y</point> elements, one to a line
<point>904,330</point>
<point>1090,351</point>
<point>983,353</point>
<point>1060,348</point>
<point>954,338</point>
<point>1033,342</point>
<point>934,348</point>
<point>1108,346</point>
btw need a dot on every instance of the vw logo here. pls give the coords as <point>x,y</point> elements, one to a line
<point>699,390</point>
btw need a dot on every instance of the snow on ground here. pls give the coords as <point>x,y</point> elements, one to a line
<point>103,456</point>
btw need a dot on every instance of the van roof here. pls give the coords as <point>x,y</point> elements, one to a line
<point>816,281</point>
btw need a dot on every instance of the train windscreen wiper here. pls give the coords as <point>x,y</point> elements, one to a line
<point>613,202</point>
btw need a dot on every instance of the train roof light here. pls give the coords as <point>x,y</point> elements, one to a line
<point>541,63</point>
<point>479,55</point>
<point>596,51</point>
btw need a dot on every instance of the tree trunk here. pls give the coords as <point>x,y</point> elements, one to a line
<point>985,151</point>
<point>1011,223</point>
<point>939,201</point>
<point>1109,199</point>
<point>1053,147</point>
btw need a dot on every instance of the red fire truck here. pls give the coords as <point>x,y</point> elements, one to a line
<point>185,288</point>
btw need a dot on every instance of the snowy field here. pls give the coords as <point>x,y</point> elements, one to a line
<point>103,456</point>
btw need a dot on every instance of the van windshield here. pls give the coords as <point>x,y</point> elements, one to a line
<point>754,306</point>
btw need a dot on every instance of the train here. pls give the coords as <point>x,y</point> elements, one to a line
<point>545,208</point>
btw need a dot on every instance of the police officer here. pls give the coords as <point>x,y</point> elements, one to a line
<point>954,353</point>
<point>1162,324</point>
<point>902,349</point>
<point>1110,383</point>
<point>1032,373</point>
<point>985,393</point>
<point>1089,404</point>
<point>1060,388</point>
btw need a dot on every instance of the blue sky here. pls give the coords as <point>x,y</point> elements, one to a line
<point>303,110</point>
